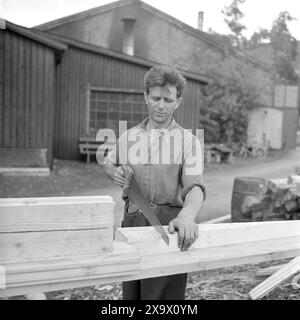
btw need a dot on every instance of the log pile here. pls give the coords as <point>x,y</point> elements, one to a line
<point>279,201</point>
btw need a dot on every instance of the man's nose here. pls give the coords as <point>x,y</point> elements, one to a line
<point>161,104</point>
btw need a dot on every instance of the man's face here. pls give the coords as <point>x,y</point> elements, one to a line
<point>161,103</point>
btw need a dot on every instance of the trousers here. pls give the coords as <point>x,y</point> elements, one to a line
<point>160,288</point>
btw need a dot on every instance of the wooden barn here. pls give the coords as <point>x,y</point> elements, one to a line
<point>27,96</point>
<point>60,90</point>
<point>97,87</point>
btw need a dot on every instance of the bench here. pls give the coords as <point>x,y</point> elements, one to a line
<point>89,146</point>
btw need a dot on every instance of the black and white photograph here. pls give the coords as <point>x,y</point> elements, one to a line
<point>149,151</point>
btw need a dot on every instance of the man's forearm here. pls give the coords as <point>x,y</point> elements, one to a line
<point>192,204</point>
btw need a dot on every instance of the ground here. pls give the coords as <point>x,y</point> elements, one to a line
<point>78,178</point>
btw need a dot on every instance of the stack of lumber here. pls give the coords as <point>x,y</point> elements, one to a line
<point>60,239</point>
<point>280,201</point>
<point>140,253</point>
<point>43,228</point>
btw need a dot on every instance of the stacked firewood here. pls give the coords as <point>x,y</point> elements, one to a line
<point>279,200</point>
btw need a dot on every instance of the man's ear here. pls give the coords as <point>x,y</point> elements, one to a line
<point>146,97</point>
<point>179,100</point>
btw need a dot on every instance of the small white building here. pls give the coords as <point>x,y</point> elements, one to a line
<point>276,125</point>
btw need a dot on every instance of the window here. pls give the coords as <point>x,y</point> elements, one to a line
<point>106,109</point>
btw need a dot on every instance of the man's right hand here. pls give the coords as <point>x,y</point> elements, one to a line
<point>119,177</point>
<point>123,175</point>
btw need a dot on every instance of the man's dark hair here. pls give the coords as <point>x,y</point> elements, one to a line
<point>163,75</point>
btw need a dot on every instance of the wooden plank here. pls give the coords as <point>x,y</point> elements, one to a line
<point>26,277</point>
<point>34,217</point>
<point>39,96</point>
<point>27,79</point>
<point>55,200</point>
<point>274,280</point>
<point>7,89</point>
<point>2,35</point>
<point>14,104</point>
<point>42,245</point>
<point>99,267</point>
<point>269,271</point>
<point>20,126</point>
<point>22,172</point>
<point>33,96</point>
<point>51,106</point>
<point>160,264</point>
<point>227,217</point>
<point>147,240</point>
<point>88,105</point>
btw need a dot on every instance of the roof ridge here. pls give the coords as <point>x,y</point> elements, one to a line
<point>195,32</point>
<point>35,35</point>
<point>82,14</point>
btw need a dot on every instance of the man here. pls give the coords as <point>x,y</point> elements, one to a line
<point>168,173</point>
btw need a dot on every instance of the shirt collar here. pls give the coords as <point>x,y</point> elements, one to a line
<point>143,124</point>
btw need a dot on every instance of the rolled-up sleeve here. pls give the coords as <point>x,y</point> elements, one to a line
<point>192,166</point>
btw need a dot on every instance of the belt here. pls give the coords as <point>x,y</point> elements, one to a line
<point>133,208</point>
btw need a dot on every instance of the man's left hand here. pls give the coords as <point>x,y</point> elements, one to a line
<point>187,232</point>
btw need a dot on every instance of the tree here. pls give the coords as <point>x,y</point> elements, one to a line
<point>284,46</point>
<point>227,99</point>
<point>233,16</point>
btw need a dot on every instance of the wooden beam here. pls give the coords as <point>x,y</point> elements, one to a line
<point>219,245</point>
<point>41,228</point>
<point>147,240</point>
<point>26,215</point>
<point>155,265</point>
<point>265,272</point>
<point>227,217</point>
<point>23,246</point>
<point>274,280</point>
<point>64,273</point>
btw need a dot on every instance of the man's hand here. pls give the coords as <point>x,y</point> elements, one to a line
<point>123,175</point>
<point>119,177</point>
<point>187,231</point>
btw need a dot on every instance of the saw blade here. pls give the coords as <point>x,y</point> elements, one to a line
<point>136,195</point>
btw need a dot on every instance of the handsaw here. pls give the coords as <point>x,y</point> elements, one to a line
<point>136,195</point>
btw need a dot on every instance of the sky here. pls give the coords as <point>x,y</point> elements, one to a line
<point>258,13</point>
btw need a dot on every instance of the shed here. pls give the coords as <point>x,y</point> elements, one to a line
<point>275,126</point>
<point>27,96</point>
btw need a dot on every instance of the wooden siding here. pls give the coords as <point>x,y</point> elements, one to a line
<point>289,127</point>
<point>27,96</point>
<point>79,68</point>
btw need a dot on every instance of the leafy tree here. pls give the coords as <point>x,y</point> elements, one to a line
<point>233,16</point>
<point>284,46</point>
<point>227,100</point>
